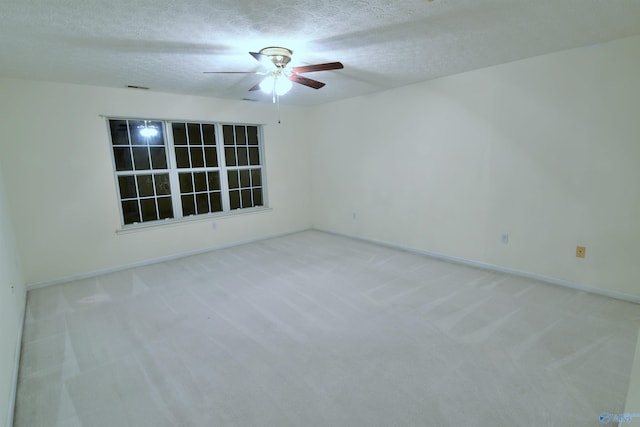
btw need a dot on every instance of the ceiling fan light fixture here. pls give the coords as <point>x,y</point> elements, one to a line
<point>283,85</point>
<point>278,84</point>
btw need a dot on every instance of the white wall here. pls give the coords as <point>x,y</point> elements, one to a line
<point>546,149</point>
<point>12,301</point>
<point>62,193</point>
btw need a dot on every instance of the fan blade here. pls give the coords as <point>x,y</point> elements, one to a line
<point>255,87</point>
<point>231,72</point>
<point>305,81</point>
<point>263,59</point>
<point>318,67</point>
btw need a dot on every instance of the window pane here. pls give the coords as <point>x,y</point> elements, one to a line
<point>197,159</point>
<point>246,198</point>
<point>186,185</point>
<point>227,132</point>
<point>179,134</point>
<point>145,185</point>
<point>200,179</point>
<point>158,158</point>
<point>254,156</point>
<point>188,205</point>
<point>214,180</point>
<point>211,156</point>
<point>245,180</point>
<point>216,202</point>
<point>234,199</point>
<point>122,157</point>
<point>194,134</point>
<point>209,135</point>
<point>256,177</point>
<point>157,139</point>
<point>141,158</point>
<point>241,135</point>
<point>165,208</point>
<point>230,156</point>
<point>257,197</point>
<point>148,207</point>
<point>202,201</point>
<point>134,132</point>
<point>127,187</point>
<point>130,212</point>
<point>162,184</point>
<point>242,156</point>
<point>119,132</point>
<point>252,135</point>
<point>182,157</point>
<point>232,176</point>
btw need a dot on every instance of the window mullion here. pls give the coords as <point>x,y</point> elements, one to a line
<point>263,177</point>
<point>174,183</point>
<point>224,183</point>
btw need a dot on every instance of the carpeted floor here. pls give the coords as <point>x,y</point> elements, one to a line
<point>314,329</point>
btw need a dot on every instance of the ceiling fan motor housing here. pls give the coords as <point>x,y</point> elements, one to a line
<point>280,56</point>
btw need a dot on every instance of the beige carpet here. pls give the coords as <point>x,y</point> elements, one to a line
<point>314,329</point>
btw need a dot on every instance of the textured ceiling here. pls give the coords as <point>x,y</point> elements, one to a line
<point>167,44</point>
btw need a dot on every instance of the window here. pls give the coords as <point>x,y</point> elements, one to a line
<point>169,169</point>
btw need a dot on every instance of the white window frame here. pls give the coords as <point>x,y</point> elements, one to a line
<point>172,169</point>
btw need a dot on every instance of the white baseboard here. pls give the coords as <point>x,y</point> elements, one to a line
<point>171,257</point>
<point>496,268</point>
<point>16,367</point>
<point>435,255</point>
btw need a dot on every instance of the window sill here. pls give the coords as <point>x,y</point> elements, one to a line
<point>173,222</point>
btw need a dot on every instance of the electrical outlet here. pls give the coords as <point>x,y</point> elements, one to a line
<point>580,251</point>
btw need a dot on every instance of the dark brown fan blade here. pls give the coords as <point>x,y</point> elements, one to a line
<point>318,67</point>
<point>263,59</point>
<point>231,72</point>
<point>305,81</point>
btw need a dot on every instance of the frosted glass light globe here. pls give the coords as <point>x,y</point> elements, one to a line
<point>281,85</point>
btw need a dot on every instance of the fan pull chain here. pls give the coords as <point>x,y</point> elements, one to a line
<point>278,97</point>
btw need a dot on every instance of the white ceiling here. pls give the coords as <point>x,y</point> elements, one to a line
<point>167,44</point>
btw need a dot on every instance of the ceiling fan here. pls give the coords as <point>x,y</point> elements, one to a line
<point>278,77</point>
